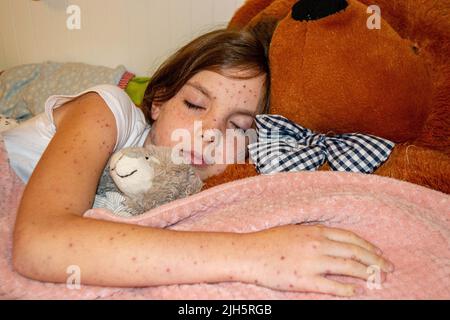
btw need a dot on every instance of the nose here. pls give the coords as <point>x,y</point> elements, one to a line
<point>207,139</point>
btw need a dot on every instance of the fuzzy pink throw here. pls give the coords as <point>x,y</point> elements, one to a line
<point>411,224</point>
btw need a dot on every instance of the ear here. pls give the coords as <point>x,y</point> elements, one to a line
<point>156,110</point>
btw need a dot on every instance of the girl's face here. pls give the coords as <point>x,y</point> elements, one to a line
<point>217,102</point>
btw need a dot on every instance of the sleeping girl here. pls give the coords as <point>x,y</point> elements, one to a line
<point>221,79</point>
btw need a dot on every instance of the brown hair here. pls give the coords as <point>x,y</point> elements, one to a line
<point>218,51</point>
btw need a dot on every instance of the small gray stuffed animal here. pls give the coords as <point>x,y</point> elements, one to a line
<point>147,178</point>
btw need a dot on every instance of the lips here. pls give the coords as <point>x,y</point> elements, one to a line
<point>195,159</point>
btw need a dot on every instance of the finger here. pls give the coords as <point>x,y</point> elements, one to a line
<point>344,267</point>
<point>355,252</point>
<point>324,285</point>
<point>350,237</point>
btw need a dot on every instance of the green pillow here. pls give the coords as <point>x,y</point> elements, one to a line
<point>136,89</point>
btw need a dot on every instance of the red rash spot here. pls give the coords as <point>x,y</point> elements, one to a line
<point>134,258</point>
<point>66,208</point>
<point>291,286</point>
<point>195,262</point>
<point>244,86</point>
<point>245,101</point>
<point>201,247</point>
<point>282,257</point>
<point>65,151</point>
<point>314,247</point>
<point>256,281</point>
<point>71,245</point>
<point>107,125</point>
<point>75,161</point>
<point>111,239</point>
<point>230,277</point>
<point>168,270</point>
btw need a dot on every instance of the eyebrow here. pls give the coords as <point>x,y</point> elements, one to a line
<point>200,88</point>
<point>208,94</point>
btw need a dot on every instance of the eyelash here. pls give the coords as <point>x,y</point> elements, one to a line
<point>192,106</point>
<point>195,107</point>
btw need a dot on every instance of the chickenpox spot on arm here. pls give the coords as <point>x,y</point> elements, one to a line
<point>70,245</point>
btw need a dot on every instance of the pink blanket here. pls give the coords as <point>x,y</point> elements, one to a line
<point>410,223</point>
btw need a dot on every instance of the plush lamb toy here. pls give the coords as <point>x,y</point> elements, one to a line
<point>139,179</point>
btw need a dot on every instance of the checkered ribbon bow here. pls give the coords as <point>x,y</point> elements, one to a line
<point>283,145</point>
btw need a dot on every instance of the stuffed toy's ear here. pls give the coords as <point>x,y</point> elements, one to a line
<point>316,9</point>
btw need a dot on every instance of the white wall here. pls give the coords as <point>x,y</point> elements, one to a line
<point>139,34</point>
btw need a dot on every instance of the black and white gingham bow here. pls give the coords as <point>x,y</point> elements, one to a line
<point>283,145</point>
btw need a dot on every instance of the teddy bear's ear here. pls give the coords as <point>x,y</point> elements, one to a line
<point>305,10</point>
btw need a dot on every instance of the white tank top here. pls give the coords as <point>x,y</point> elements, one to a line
<point>27,142</point>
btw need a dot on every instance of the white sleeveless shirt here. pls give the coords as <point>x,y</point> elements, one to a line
<point>27,142</point>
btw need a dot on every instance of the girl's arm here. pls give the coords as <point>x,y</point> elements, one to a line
<point>51,235</point>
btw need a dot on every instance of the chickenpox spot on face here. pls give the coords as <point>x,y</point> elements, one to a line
<point>195,262</point>
<point>168,270</point>
<point>133,259</point>
<point>291,286</point>
<point>282,257</point>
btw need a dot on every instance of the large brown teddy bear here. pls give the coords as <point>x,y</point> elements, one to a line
<point>330,72</point>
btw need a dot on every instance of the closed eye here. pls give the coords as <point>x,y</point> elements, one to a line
<point>192,106</point>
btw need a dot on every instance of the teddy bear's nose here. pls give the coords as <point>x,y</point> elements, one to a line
<point>306,10</point>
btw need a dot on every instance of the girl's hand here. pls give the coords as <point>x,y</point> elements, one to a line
<point>297,258</point>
